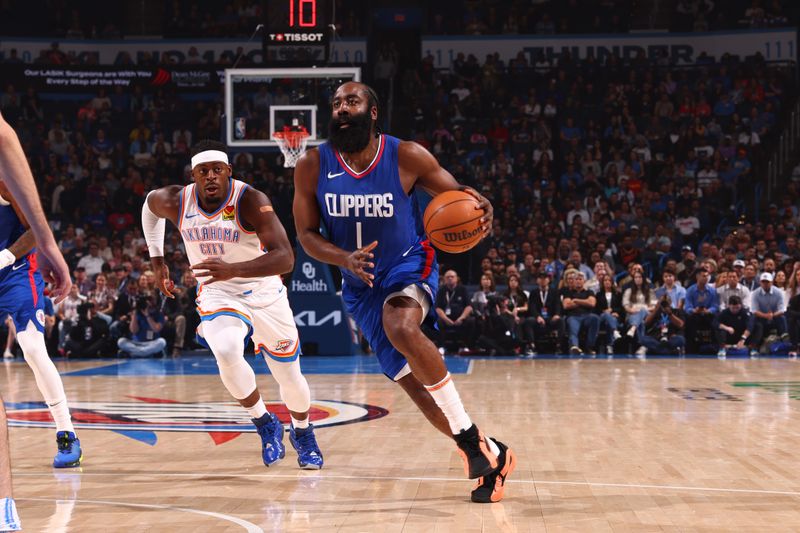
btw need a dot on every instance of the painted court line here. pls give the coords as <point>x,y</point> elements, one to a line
<point>248,526</point>
<point>322,477</point>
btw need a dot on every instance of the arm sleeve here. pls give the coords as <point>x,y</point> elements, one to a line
<point>153,229</point>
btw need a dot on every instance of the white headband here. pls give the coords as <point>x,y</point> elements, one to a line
<point>208,156</point>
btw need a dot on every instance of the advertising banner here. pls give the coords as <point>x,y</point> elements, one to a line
<point>775,44</point>
<point>318,311</point>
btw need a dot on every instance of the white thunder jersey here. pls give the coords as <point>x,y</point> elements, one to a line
<point>221,234</point>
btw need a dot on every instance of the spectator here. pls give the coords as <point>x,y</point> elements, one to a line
<point>733,326</point>
<point>174,330</point>
<point>103,299</point>
<point>92,263</point>
<point>484,302</point>
<point>499,271</point>
<point>663,329</point>
<point>768,310</point>
<point>146,323</point>
<point>728,285</point>
<point>670,287</point>
<point>67,313</point>
<point>579,305</point>
<point>600,271</point>
<point>750,279</point>
<point>89,336</point>
<point>609,308</point>
<point>523,322</point>
<point>793,312</point>
<point>702,304</point>
<point>453,309</point>
<point>530,271</point>
<point>82,280</point>
<point>638,300</point>
<point>545,309</point>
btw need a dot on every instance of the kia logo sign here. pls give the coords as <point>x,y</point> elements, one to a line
<point>309,319</point>
<point>309,271</point>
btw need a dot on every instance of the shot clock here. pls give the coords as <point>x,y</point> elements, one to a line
<point>297,31</point>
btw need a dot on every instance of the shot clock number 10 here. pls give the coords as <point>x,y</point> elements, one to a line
<point>302,13</point>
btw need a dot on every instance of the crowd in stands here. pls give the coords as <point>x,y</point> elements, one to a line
<point>728,310</point>
<point>597,168</point>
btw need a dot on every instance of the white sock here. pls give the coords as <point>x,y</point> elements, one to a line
<point>446,397</point>
<point>60,413</point>
<point>9,519</point>
<point>258,409</point>
<point>300,424</point>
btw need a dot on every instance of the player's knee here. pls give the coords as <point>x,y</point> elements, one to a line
<point>400,329</point>
<point>228,352</point>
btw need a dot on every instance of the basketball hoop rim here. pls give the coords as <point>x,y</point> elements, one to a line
<point>292,139</point>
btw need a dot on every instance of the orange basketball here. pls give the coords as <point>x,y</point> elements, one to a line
<point>452,222</point>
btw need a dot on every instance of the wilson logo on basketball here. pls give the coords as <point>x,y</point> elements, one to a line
<point>223,421</point>
<point>463,235</point>
<point>229,213</point>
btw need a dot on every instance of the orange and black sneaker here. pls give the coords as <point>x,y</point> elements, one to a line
<point>489,489</point>
<point>474,449</point>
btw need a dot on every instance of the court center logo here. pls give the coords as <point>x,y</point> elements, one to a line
<point>223,421</point>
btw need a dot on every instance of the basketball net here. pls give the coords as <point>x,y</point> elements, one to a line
<point>292,144</point>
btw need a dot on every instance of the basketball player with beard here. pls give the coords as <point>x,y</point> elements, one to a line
<point>238,249</point>
<point>361,185</point>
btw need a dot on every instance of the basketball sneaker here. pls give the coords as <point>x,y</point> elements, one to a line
<point>489,489</point>
<point>10,520</point>
<point>270,430</point>
<point>305,443</point>
<point>474,449</point>
<point>69,450</point>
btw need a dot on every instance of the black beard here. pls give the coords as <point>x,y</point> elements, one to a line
<point>355,137</point>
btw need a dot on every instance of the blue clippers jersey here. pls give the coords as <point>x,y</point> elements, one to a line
<point>11,229</point>
<point>359,208</point>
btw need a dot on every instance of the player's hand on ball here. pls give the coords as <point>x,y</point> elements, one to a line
<point>358,261</point>
<point>214,268</point>
<point>486,205</point>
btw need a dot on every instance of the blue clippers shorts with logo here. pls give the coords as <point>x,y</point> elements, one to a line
<point>365,304</point>
<point>22,294</point>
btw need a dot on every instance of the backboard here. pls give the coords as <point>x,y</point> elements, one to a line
<point>259,102</point>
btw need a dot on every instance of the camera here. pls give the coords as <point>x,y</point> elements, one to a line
<point>84,308</point>
<point>142,304</point>
<point>665,303</point>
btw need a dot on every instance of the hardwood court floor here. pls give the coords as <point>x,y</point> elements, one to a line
<point>622,445</point>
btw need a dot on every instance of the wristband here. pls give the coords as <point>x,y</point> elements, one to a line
<point>6,258</point>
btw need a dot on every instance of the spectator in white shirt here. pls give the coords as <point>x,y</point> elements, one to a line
<point>92,263</point>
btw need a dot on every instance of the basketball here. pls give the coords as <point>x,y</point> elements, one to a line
<point>452,221</point>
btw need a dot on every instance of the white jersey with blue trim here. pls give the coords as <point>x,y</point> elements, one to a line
<point>221,234</point>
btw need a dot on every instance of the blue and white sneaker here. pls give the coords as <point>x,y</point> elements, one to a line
<point>10,520</point>
<point>270,430</point>
<point>308,455</point>
<point>69,453</point>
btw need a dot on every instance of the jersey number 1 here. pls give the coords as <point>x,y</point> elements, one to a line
<point>358,234</point>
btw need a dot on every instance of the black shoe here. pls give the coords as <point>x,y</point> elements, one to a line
<point>489,489</point>
<point>474,449</point>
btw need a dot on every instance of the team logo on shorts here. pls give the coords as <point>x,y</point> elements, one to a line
<point>283,345</point>
<point>229,213</point>
<point>40,316</point>
<point>142,418</point>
